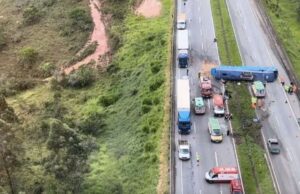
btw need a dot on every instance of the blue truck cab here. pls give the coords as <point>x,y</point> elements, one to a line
<point>183,59</point>
<point>184,121</point>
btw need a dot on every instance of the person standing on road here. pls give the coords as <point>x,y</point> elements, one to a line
<point>187,72</point>
<point>228,132</point>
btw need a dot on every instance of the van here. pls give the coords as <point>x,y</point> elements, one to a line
<point>221,175</point>
<point>214,130</point>
<point>181,21</point>
<point>218,105</point>
<point>199,105</point>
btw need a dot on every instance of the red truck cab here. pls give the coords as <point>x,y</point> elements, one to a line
<point>236,187</point>
<point>206,87</point>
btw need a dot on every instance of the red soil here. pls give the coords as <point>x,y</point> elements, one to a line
<point>149,8</point>
<point>98,35</point>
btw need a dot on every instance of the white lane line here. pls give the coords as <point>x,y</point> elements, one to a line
<point>194,127</point>
<point>202,46</point>
<point>270,166</point>
<point>289,154</point>
<point>200,192</point>
<point>216,157</point>
<point>208,102</point>
<point>181,180</point>
<point>198,8</point>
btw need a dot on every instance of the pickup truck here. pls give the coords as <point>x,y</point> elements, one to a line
<point>184,150</point>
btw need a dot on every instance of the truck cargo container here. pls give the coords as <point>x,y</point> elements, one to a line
<point>183,48</point>
<point>183,106</point>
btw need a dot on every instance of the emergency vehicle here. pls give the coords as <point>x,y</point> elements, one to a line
<point>221,175</point>
<point>214,130</point>
<point>199,105</point>
<point>258,89</point>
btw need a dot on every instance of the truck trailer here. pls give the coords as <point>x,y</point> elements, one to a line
<point>245,73</point>
<point>183,106</point>
<point>183,48</point>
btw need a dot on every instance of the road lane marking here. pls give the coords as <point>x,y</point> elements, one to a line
<point>202,45</point>
<point>208,102</point>
<point>200,191</point>
<point>194,127</point>
<point>181,179</point>
<point>289,154</point>
<point>198,8</point>
<point>216,157</point>
<point>270,166</point>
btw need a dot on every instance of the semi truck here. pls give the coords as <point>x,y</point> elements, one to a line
<point>183,106</point>
<point>181,21</point>
<point>184,150</point>
<point>245,73</point>
<point>183,48</point>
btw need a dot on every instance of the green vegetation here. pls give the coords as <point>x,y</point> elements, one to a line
<point>40,25</point>
<point>89,49</point>
<point>285,16</point>
<point>28,56</point>
<point>105,134</point>
<point>255,172</point>
<point>228,49</point>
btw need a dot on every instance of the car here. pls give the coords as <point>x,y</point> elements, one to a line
<point>273,146</point>
<point>184,150</point>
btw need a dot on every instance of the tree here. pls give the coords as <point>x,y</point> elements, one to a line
<point>10,149</point>
<point>69,152</point>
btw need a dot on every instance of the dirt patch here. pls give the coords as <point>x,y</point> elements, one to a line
<point>99,35</point>
<point>149,8</point>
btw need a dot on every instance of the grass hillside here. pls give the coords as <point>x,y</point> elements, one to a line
<point>100,132</point>
<point>38,36</point>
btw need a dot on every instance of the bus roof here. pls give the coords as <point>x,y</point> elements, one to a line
<point>259,85</point>
<point>247,68</point>
<point>214,123</point>
<point>199,101</point>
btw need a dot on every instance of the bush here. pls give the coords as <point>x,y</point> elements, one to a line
<point>94,124</point>
<point>156,84</point>
<point>90,49</point>
<point>31,15</point>
<point>47,69</point>
<point>28,56</point>
<point>80,20</point>
<point>146,108</point>
<point>2,39</point>
<point>83,77</point>
<point>108,99</point>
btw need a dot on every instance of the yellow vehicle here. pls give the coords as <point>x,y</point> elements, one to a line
<point>214,130</point>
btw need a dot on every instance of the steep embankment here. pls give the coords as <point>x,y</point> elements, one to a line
<point>102,137</point>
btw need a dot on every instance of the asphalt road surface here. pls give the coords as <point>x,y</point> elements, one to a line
<point>257,49</point>
<point>190,174</point>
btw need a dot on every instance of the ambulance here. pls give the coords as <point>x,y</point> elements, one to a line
<point>221,175</point>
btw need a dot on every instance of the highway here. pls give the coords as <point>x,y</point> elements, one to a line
<point>189,175</point>
<point>256,48</point>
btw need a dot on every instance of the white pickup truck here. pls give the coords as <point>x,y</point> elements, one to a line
<point>184,150</point>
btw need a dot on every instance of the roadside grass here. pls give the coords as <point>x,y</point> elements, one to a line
<point>44,36</point>
<point>254,169</point>
<point>133,97</point>
<point>287,25</point>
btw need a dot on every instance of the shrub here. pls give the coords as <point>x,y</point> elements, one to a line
<point>146,108</point>
<point>108,99</point>
<point>83,77</point>
<point>2,39</point>
<point>156,84</point>
<point>47,69</point>
<point>94,124</point>
<point>80,20</point>
<point>90,49</point>
<point>28,56</point>
<point>31,15</point>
